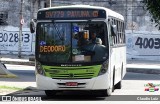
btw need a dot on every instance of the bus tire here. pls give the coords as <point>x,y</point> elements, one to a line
<point>119,84</point>
<point>113,87</point>
<point>109,91</point>
<point>50,93</point>
<point>105,93</point>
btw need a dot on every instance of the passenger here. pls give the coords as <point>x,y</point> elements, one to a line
<point>100,51</point>
<point>93,38</point>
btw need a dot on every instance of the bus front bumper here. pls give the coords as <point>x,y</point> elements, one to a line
<point>98,83</point>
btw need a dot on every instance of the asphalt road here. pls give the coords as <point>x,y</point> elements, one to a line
<point>133,84</point>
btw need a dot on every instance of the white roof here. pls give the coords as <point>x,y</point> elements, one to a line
<point>109,12</point>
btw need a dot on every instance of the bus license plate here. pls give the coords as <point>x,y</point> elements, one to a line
<point>71,84</point>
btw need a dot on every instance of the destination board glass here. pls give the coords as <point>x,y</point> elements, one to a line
<point>70,14</point>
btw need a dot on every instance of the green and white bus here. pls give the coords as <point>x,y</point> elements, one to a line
<point>79,47</point>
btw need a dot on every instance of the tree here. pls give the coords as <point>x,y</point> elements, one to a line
<point>153,6</point>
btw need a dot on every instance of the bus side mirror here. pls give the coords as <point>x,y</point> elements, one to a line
<point>32,26</point>
<point>113,30</point>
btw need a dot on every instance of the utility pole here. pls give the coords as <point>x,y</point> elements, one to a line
<point>20,31</point>
<point>50,3</point>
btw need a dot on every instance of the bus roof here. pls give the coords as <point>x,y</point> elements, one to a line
<point>108,11</point>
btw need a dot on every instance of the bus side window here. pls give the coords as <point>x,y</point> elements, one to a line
<point>121,36</point>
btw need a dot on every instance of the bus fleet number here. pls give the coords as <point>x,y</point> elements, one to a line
<point>148,43</point>
<point>14,37</point>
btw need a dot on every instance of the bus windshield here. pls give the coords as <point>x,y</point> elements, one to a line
<point>71,42</point>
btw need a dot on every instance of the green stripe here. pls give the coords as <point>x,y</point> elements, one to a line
<point>77,72</point>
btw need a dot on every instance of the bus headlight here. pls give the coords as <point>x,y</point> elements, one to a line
<point>39,69</point>
<point>104,68</point>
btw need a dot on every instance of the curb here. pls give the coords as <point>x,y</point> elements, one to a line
<point>8,76</point>
<point>29,63</point>
<point>143,70</point>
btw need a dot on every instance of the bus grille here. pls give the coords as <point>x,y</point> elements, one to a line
<point>72,76</point>
<point>72,72</point>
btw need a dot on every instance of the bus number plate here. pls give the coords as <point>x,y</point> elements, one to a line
<point>71,84</point>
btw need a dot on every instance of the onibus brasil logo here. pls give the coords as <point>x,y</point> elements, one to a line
<point>150,87</point>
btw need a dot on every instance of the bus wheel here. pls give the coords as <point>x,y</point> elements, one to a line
<point>50,93</point>
<point>109,91</point>
<point>119,84</point>
<point>105,93</point>
<point>113,87</point>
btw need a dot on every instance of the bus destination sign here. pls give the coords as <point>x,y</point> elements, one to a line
<point>70,14</point>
